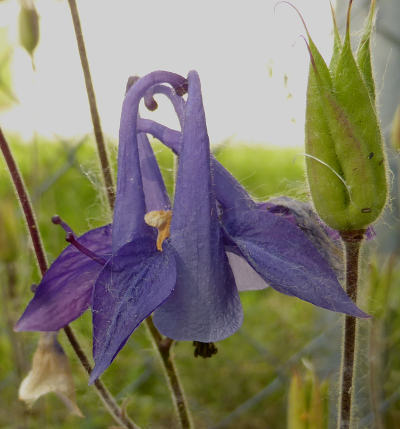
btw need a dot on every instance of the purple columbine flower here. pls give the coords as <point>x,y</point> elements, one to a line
<point>137,268</point>
<point>183,273</point>
<point>189,283</point>
<point>264,248</point>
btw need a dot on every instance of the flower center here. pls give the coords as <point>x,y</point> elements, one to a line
<point>205,350</point>
<point>160,219</point>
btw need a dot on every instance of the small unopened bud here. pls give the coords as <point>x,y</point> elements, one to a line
<point>396,130</point>
<point>50,373</point>
<point>28,26</point>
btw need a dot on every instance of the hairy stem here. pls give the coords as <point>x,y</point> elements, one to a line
<point>352,242</point>
<point>27,209</point>
<point>25,203</point>
<point>106,397</point>
<point>163,345</point>
<point>101,146</point>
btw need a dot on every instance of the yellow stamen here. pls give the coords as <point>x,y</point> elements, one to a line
<point>160,219</point>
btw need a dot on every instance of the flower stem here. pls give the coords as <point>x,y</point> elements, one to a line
<point>25,203</point>
<point>352,242</point>
<point>162,344</point>
<point>101,147</point>
<point>27,209</point>
<point>109,402</point>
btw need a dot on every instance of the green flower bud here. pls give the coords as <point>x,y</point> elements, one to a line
<point>28,26</point>
<point>395,137</point>
<point>345,159</point>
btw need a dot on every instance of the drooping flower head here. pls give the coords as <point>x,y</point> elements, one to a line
<point>191,273</point>
<point>185,265</point>
<point>263,247</point>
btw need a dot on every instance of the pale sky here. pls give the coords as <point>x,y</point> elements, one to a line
<point>241,49</point>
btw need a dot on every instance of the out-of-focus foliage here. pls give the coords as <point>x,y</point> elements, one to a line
<point>7,97</point>
<point>307,401</point>
<point>395,135</point>
<point>28,24</point>
<point>245,385</point>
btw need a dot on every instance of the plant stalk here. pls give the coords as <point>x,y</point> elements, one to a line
<point>34,233</point>
<point>352,243</point>
<point>101,146</point>
<point>162,344</point>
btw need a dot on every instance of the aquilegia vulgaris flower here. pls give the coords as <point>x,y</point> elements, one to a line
<point>189,271</point>
<point>257,240</point>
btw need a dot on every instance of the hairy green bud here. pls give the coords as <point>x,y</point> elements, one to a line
<point>28,26</point>
<point>345,159</point>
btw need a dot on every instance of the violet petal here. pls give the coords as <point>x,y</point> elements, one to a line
<point>66,288</point>
<point>281,253</point>
<point>131,286</point>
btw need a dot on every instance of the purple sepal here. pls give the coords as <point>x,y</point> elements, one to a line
<point>66,288</point>
<point>301,213</point>
<point>285,258</point>
<point>136,280</point>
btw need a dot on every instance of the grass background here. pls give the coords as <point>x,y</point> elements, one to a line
<point>246,384</point>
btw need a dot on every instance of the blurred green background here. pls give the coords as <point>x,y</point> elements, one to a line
<point>246,384</point>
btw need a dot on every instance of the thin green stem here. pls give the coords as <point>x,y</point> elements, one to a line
<point>101,146</point>
<point>164,347</point>
<point>162,344</point>
<point>352,242</point>
<point>34,233</point>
